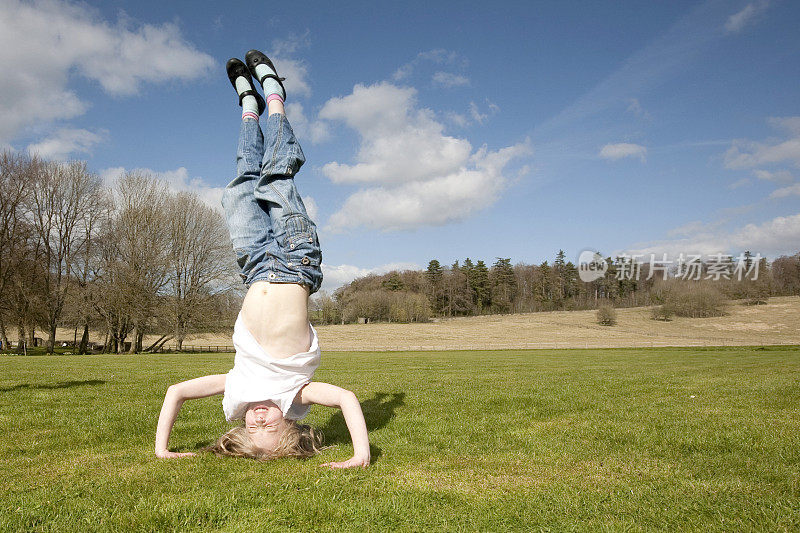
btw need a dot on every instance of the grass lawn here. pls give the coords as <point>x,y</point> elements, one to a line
<point>677,439</point>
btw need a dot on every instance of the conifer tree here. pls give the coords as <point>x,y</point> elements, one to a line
<point>459,294</point>
<point>480,286</point>
<point>393,282</point>
<point>436,294</point>
<point>503,285</point>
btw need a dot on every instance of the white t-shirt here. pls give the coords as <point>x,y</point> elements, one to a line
<point>256,376</point>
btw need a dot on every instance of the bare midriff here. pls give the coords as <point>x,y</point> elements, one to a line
<point>276,314</point>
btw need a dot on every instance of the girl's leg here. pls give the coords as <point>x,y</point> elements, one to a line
<point>248,221</point>
<point>299,257</point>
<point>273,237</point>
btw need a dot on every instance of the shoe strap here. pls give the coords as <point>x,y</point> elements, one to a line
<point>276,78</point>
<point>249,92</point>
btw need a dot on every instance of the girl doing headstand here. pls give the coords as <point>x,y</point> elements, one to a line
<point>269,387</point>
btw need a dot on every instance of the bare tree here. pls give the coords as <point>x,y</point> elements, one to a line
<point>107,292</point>
<point>62,193</point>
<point>21,255</point>
<point>199,260</point>
<point>26,292</point>
<point>13,195</point>
<point>135,250</point>
<point>87,264</point>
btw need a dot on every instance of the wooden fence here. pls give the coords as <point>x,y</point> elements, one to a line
<point>342,347</point>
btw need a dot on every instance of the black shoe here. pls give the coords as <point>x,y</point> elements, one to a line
<point>235,69</point>
<point>253,58</point>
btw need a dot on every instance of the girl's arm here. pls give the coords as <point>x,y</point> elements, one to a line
<point>333,396</point>
<point>176,395</point>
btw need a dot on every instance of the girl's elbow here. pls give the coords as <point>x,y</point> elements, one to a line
<point>348,397</point>
<point>174,392</point>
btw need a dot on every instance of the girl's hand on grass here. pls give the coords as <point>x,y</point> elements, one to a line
<point>353,462</point>
<point>166,454</point>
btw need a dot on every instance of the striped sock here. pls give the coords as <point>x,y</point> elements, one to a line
<point>249,102</point>
<point>250,113</point>
<point>270,85</point>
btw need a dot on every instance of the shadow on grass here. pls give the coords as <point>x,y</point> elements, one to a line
<point>378,411</point>
<point>60,385</point>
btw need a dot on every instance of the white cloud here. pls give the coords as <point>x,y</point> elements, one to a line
<point>476,114</point>
<point>296,74</point>
<point>334,276</point>
<point>745,16</point>
<point>790,124</point>
<point>457,118</point>
<point>433,202</point>
<point>112,174</point>
<point>779,176</point>
<point>316,131</point>
<point>692,228</point>
<point>43,43</point>
<point>65,142</point>
<point>438,56</point>
<point>784,192</point>
<point>399,143</point>
<point>291,44</point>
<point>620,150</point>
<point>442,56</point>
<point>403,72</point>
<point>178,180</point>
<point>774,153</point>
<point>748,154</point>
<point>739,183</point>
<point>635,107</point>
<point>414,174</point>
<point>312,209</point>
<point>781,235</point>
<point>449,80</point>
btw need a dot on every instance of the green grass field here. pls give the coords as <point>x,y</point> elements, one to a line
<point>676,439</point>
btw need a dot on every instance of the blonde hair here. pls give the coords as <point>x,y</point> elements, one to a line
<point>297,440</point>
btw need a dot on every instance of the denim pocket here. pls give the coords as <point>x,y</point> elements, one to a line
<point>301,241</point>
<point>243,260</point>
<point>295,160</point>
<point>242,257</point>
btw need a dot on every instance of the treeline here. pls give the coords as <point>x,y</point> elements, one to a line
<point>130,260</point>
<point>137,259</point>
<point>475,288</point>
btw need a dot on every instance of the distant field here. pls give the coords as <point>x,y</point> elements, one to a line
<point>692,439</point>
<point>778,322</point>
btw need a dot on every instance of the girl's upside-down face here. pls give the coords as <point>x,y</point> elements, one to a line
<point>265,424</point>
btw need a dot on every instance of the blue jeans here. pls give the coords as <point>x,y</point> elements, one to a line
<point>272,236</point>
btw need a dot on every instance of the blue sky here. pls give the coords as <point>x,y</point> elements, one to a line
<point>443,129</point>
